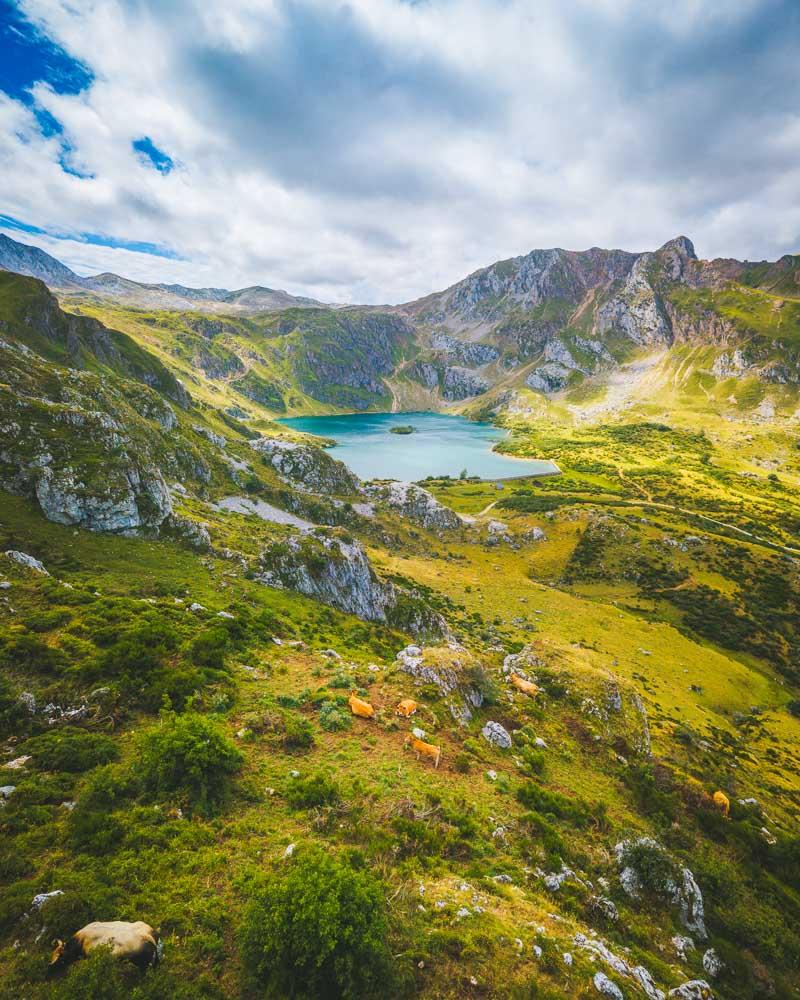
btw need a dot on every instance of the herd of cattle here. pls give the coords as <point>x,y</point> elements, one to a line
<point>141,944</point>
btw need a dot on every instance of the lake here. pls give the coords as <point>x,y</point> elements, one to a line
<point>441,445</point>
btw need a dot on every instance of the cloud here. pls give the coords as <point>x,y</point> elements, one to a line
<point>377,150</point>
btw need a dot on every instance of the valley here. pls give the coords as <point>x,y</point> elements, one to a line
<point>192,587</point>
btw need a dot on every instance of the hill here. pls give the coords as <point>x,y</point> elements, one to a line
<point>190,593</point>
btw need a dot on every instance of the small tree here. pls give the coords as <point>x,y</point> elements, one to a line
<point>189,755</point>
<point>318,931</point>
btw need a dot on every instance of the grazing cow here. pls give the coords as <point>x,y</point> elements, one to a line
<point>359,707</point>
<point>423,749</point>
<point>134,942</point>
<point>527,687</point>
<point>406,708</point>
<point>723,803</point>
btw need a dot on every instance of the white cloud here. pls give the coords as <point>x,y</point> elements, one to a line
<point>378,150</point>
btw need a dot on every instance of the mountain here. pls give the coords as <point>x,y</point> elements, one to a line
<point>459,738</point>
<point>551,319</point>
<point>23,259</point>
<point>552,322</point>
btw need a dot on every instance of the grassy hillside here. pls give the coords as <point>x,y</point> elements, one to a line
<point>616,601</point>
<point>177,741</point>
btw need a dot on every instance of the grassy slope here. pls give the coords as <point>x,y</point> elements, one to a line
<point>588,631</point>
<point>611,613</point>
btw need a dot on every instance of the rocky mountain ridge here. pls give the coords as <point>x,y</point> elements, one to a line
<point>547,321</point>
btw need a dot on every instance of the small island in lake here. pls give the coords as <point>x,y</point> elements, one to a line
<point>402,429</point>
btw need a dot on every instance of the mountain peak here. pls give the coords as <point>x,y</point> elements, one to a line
<point>681,245</point>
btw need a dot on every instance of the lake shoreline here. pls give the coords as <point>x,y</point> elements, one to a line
<point>441,445</point>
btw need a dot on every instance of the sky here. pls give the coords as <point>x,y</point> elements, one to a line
<point>378,150</point>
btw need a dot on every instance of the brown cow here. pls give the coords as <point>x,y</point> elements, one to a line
<point>136,942</point>
<point>359,707</point>
<point>723,803</point>
<point>527,687</point>
<point>423,749</point>
<point>406,708</point>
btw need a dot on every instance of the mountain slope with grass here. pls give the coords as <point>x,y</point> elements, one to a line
<point>599,669</point>
<point>564,325</point>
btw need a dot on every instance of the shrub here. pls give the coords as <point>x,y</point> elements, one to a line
<point>70,750</point>
<point>533,761</point>
<point>189,755</point>
<point>140,662</point>
<point>92,827</point>
<point>575,811</point>
<point>26,651</point>
<point>319,930</point>
<point>298,733</point>
<point>333,717</point>
<point>656,872</point>
<point>207,649</point>
<point>462,762</point>
<point>12,712</point>
<point>483,682</point>
<point>311,792</point>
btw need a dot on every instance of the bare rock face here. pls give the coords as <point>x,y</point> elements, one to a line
<point>461,383</point>
<point>447,668</point>
<point>308,467</point>
<point>338,573</point>
<point>132,500</point>
<point>465,352</point>
<point>329,570</point>
<point>416,504</point>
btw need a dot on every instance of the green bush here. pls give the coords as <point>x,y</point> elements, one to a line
<point>319,930</point>
<point>575,811</point>
<point>188,755</point>
<point>92,826</point>
<point>298,733</point>
<point>656,872</point>
<point>21,650</point>
<point>70,750</point>
<point>333,717</point>
<point>311,792</point>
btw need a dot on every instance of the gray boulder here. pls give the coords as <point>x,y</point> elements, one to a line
<point>495,734</point>
<point>28,561</point>
<point>694,989</point>
<point>606,988</point>
<point>712,963</point>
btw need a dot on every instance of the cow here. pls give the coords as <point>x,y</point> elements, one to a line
<point>423,749</point>
<point>406,708</point>
<point>136,942</point>
<point>527,687</point>
<point>359,707</point>
<point>723,803</point>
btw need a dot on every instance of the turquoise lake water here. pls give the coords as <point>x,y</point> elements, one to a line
<point>441,445</point>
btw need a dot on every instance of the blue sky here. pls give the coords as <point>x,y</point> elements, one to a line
<point>376,150</point>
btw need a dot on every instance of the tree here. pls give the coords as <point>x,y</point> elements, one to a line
<point>318,931</point>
